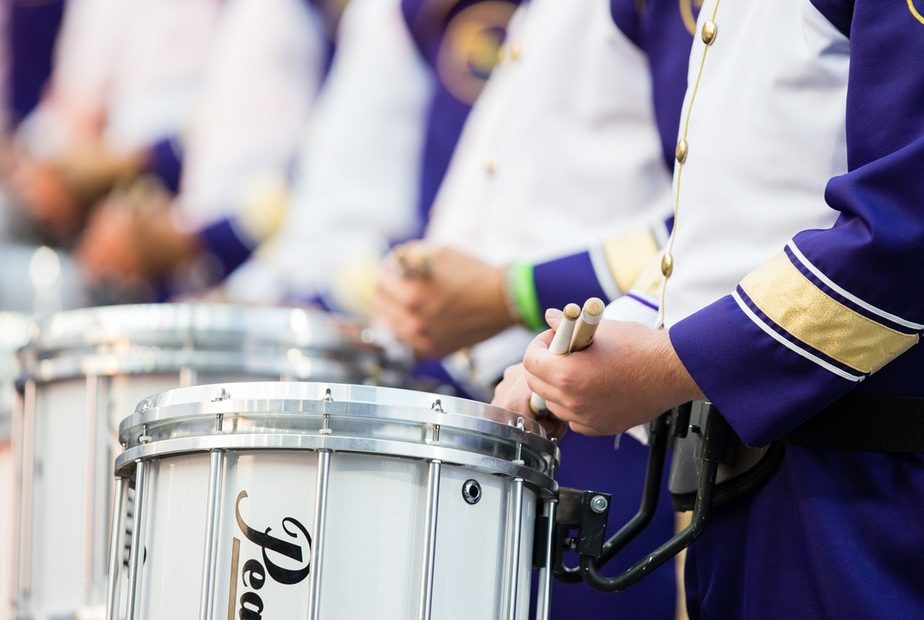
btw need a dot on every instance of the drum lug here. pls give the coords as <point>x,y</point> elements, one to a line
<point>518,460</point>
<point>325,420</point>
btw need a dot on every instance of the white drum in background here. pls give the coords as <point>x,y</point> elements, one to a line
<point>326,501</point>
<point>87,369</point>
<point>15,330</point>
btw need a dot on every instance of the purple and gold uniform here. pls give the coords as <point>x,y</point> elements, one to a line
<point>791,281</point>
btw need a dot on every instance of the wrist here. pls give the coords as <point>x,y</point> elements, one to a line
<point>520,296</point>
<point>503,308</point>
<point>679,385</point>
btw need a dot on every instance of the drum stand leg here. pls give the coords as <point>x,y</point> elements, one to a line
<point>115,549</point>
<point>26,489</point>
<point>317,549</point>
<point>89,489</point>
<point>136,557</point>
<point>206,596</point>
<point>433,508</point>
<point>544,593</point>
<point>513,549</point>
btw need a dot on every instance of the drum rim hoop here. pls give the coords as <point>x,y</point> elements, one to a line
<point>125,463</point>
<point>240,398</point>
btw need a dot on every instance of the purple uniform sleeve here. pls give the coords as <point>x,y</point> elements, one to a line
<point>833,310</point>
<point>607,270</point>
<point>227,243</point>
<point>165,161</point>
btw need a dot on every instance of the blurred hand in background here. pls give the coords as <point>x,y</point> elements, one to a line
<point>439,300</point>
<point>132,237</point>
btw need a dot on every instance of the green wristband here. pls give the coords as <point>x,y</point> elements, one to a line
<point>523,288</point>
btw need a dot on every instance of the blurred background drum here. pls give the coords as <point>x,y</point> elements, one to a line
<point>314,500</point>
<point>38,280</point>
<point>87,369</point>
<point>15,330</point>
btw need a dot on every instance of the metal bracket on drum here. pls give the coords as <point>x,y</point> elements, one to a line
<point>580,525</point>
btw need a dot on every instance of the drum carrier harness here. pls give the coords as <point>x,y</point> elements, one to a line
<point>711,466</point>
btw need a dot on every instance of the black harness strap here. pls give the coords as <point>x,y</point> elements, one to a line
<point>866,423</point>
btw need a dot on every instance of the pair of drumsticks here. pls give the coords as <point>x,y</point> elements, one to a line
<point>575,333</point>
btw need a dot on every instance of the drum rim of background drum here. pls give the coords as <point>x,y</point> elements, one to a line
<point>471,433</point>
<point>147,338</point>
<point>175,323</point>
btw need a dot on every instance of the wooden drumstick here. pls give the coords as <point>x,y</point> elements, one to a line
<point>561,345</point>
<point>587,324</point>
<point>418,268</point>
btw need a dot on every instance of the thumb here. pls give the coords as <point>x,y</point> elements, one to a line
<point>553,317</point>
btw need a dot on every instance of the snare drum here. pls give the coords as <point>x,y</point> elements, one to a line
<point>341,502</point>
<point>88,368</point>
<point>15,330</point>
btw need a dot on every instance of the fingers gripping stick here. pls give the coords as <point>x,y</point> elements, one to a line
<point>561,345</point>
<point>580,336</point>
<point>413,265</point>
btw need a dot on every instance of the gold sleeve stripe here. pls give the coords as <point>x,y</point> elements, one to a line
<point>628,254</point>
<point>264,207</point>
<point>794,303</point>
<point>805,262</point>
<point>648,284</point>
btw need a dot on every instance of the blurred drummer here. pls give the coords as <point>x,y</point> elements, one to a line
<point>124,79</point>
<point>404,77</point>
<point>539,172</point>
<point>264,71</point>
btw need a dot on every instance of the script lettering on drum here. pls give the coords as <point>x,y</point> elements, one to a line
<point>285,559</point>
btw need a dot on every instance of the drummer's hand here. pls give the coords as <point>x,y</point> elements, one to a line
<point>43,194</point>
<point>448,301</point>
<point>60,190</point>
<point>109,248</point>
<point>628,376</point>
<point>132,236</point>
<point>513,393</point>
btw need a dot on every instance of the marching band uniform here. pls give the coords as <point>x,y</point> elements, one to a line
<point>791,285</point>
<point>402,81</point>
<point>524,188</point>
<point>230,171</point>
<point>576,109</point>
<point>267,65</point>
<point>609,267</point>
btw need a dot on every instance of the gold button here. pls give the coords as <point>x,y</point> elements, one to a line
<point>681,151</point>
<point>709,32</point>
<point>490,166</point>
<point>667,264</point>
<point>516,51</point>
